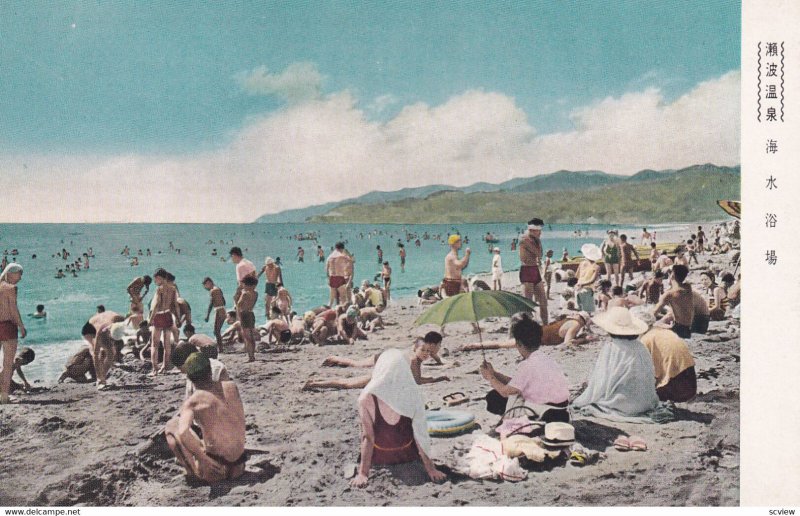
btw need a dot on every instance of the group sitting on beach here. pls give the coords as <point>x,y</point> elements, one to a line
<point>643,367</point>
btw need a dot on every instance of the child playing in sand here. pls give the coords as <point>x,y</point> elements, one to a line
<point>422,349</point>
<point>23,358</point>
<point>371,318</point>
<point>347,326</point>
<point>277,329</point>
<point>234,331</point>
<point>244,312</point>
<point>603,295</point>
<point>283,302</point>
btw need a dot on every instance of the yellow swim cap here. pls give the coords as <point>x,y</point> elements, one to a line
<point>453,239</point>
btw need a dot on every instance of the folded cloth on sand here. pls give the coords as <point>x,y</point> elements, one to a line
<point>621,386</point>
<point>518,426</point>
<point>486,460</point>
<point>530,447</point>
<point>671,355</point>
<point>393,383</point>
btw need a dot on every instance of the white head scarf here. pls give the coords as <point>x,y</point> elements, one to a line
<point>393,383</point>
<point>11,267</point>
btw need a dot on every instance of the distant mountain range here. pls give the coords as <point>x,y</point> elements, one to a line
<point>565,196</point>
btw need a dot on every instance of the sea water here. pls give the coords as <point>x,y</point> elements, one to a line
<point>70,301</point>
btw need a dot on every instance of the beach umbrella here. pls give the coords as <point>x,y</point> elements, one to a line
<point>474,307</point>
<point>732,208</point>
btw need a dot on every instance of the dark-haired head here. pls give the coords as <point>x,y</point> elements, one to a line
<point>727,279</point>
<point>160,273</point>
<point>679,272</point>
<point>250,281</point>
<point>616,291</point>
<point>26,355</point>
<point>236,251</point>
<point>526,331</point>
<point>340,246</point>
<point>432,337</point>
<point>147,279</point>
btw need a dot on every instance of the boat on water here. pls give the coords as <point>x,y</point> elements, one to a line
<point>643,264</point>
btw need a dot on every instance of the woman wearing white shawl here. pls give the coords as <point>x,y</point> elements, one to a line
<point>11,326</point>
<point>393,400</point>
<point>622,386</point>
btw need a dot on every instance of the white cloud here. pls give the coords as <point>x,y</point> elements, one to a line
<point>382,102</point>
<point>299,82</point>
<point>326,149</point>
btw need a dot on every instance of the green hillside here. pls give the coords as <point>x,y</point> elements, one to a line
<point>686,195</point>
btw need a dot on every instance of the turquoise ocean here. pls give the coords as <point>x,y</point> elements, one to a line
<point>70,301</point>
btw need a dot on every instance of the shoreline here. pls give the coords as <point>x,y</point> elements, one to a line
<point>94,448</point>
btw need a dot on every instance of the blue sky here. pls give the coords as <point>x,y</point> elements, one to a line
<point>156,80</point>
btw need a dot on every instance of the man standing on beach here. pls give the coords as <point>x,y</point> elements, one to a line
<point>217,305</point>
<point>274,278</point>
<point>339,269</point>
<point>530,257</point>
<point>628,252</point>
<point>453,266</point>
<point>135,292</point>
<point>244,268</point>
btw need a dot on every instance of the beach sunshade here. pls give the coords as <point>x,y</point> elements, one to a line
<point>476,306</point>
<point>732,208</point>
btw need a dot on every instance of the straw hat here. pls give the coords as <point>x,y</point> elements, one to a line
<point>591,252</point>
<point>620,321</point>
<point>558,434</point>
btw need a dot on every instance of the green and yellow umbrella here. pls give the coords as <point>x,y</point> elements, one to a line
<point>474,307</point>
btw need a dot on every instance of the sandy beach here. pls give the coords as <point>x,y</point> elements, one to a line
<point>72,445</point>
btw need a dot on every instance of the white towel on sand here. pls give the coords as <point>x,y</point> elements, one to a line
<point>393,383</point>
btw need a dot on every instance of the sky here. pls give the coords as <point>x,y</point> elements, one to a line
<point>203,112</point>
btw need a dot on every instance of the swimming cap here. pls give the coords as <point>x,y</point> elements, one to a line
<point>198,367</point>
<point>453,239</point>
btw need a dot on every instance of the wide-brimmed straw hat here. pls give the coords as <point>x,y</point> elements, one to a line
<point>558,434</point>
<point>591,252</point>
<point>620,321</point>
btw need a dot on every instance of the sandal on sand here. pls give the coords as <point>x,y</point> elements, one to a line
<point>455,398</point>
<point>622,443</point>
<point>637,443</point>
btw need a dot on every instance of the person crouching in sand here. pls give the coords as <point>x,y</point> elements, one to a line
<point>217,410</point>
<point>392,416</point>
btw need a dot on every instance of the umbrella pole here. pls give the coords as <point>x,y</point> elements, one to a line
<point>480,340</point>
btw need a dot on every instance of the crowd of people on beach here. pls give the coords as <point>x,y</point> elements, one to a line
<point>643,301</point>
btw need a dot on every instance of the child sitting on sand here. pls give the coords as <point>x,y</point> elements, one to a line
<point>23,358</point>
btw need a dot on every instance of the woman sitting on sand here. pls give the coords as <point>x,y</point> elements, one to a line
<point>717,296</point>
<point>539,383</point>
<point>392,416</point>
<point>422,349</point>
<point>622,384</point>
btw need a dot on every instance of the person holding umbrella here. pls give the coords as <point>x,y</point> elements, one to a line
<point>539,383</point>
<point>530,257</point>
